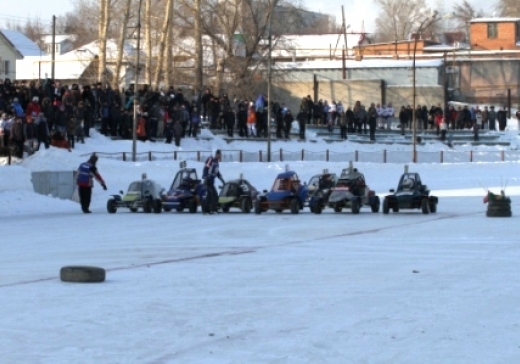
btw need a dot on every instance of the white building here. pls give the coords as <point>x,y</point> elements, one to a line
<point>14,46</point>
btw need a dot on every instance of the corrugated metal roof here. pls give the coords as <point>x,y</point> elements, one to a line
<point>24,45</point>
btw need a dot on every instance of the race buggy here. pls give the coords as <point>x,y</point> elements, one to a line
<point>145,194</point>
<point>410,194</point>
<point>320,188</point>
<point>237,193</point>
<point>352,192</point>
<point>186,191</point>
<point>287,192</point>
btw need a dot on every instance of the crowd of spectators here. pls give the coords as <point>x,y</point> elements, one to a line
<point>49,113</point>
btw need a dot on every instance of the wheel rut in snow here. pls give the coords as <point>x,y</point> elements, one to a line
<point>249,250</point>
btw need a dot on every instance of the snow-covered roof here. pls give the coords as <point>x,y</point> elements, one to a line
<point>495,20</point>
<point>66,68</point>
<point>445,47</point>
<point>47,38</point>
<point>313,44</point>
<point>24,45</point>
<point>92,49</point>
<point>372,63</point>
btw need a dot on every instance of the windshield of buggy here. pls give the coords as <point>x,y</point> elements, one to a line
<point>184,179</point>
<point>134,187</point>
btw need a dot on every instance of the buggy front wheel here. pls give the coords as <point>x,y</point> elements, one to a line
<point>111,206</point>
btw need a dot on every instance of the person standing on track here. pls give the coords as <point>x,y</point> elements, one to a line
<point>211,170</point>
<point>87,172</point>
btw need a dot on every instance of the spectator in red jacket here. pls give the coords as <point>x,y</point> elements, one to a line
<point>33,108</point>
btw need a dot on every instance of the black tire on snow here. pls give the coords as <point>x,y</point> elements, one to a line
<point>225,208</point>
<point>167,209</point>
<point>376,206</point>
<point>504,212</point>
<point>355,207</point>
<point>425,206</point>
<point>278,211</point>
<point>295,206</point>
<point>82,274</point>
<point>111,206</point>
<point>192,206</point>
<point>258,208</point>
<point>386,207</point>
<point>433,207</point>
<point>157,206</point>
<point>147,207</point>
<point>245,205</point>
<point>133,209</point>
<point>338,209</point>
<point>180,208</point>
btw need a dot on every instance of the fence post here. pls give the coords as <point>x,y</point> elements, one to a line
<point>442,156</point>
<point>356,156</point>
<point>198,156</point>
<point>501,155</point>
<point>260,155</point>
<point>471,156</point>
<point>384,155</point>
<point>124,157</point>
<point>175,155</point>
<point>303,154</point>
<point>150,156</point>
<point>327,154</point>
<point>281,155</point>
<point>240,156</point>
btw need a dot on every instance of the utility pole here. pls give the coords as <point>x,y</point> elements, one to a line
<point>136,82</point>
<point>269,89</point>
<point>53,52</point>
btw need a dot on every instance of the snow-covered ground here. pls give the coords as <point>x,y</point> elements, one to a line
<point>270,288</point>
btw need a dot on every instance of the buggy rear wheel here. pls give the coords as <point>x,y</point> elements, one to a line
<point>111,206</point>
<point>133,209</point>
<point>157,206</point>
<point>338,208</point>
<point>295,206</point>
<point>317,209</point>
<point>258,208</point>
<point>246,205</point>
<point>192,206</point>
<point>433,207</point>
<point>376,205</point>
<point>425,206</point>
<point>147,206</point>
<point>355,206</point>
<point>225,208</point>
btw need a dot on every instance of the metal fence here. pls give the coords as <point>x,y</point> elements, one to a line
<point>280,155</point>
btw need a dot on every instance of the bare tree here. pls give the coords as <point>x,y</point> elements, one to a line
<point>104,21</point>
<point>509,7</point>
<point>398,19</point>
<point>463,12</point>
<point>162,43</point>
<point>148,40</point>
<point>121,43</point>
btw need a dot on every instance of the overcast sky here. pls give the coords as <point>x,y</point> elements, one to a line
<point>355,10</point>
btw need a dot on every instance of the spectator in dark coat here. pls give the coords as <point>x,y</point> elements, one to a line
<point>502,119</point>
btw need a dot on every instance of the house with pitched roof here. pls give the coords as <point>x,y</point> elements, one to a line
<point>15,46</point>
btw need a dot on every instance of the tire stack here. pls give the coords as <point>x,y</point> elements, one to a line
<point>499,207</point>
